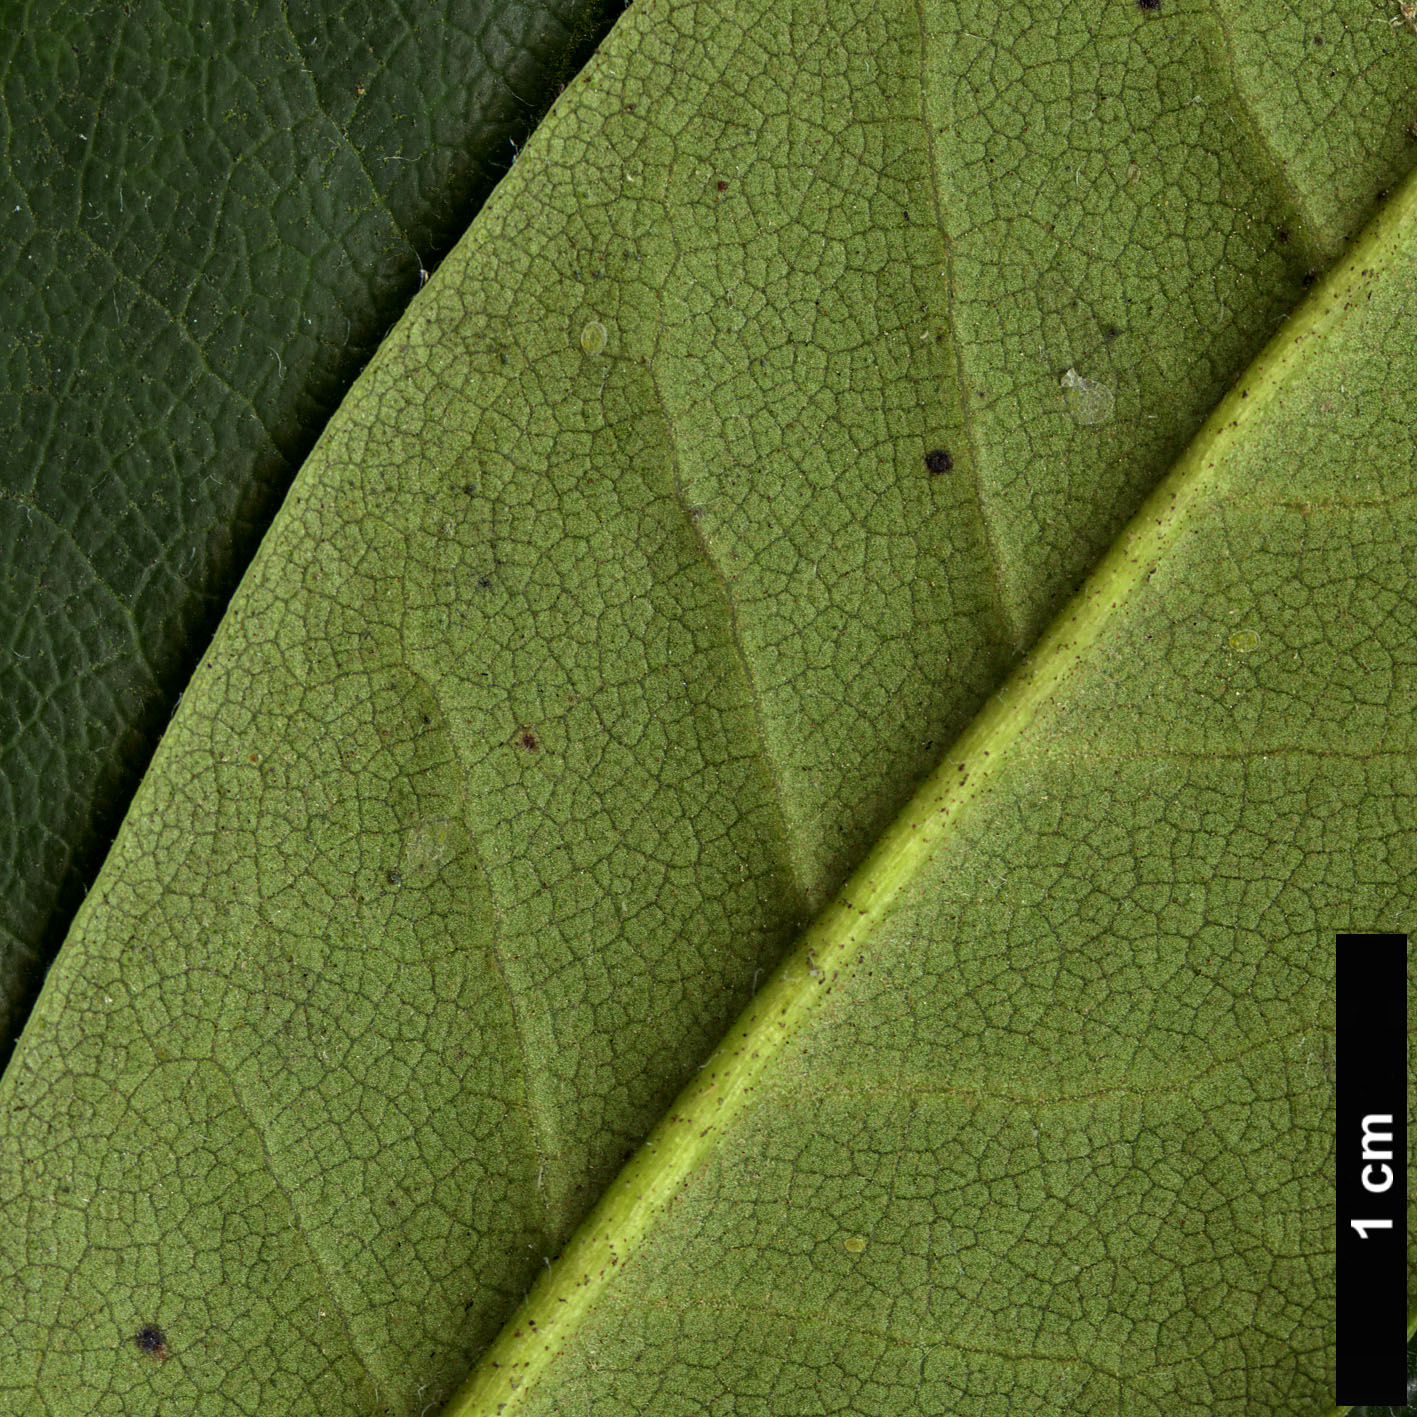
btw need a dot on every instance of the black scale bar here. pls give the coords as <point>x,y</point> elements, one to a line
<point>1371,1169</point>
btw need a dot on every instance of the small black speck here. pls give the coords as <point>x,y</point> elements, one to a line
<point>394,876</point>
<point>1150,6</point>
<point>1309,277</point>
<point>1282,235</point>
<point>1318,39</point>
<point>939,462</point>
<point>484,581</point>
<point>468,489</point>
<point>723,186</point>
<point>1110,333</point>
<point>152,1340</point>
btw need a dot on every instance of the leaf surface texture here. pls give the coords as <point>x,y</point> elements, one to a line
<point>209,217</point>
<point>617,613</point>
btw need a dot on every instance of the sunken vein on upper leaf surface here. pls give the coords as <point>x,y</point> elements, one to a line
<point>312,76</point>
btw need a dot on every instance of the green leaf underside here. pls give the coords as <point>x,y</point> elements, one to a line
<point>614,617</point>
<point>1100,718</point>
<point>209,217</point>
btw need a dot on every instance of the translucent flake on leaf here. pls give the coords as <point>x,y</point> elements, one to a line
<point>1243,641</point>
<point>593,337</point>
<point>1087,400</point>
<point>427,848</point>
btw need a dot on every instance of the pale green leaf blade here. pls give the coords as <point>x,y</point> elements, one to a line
<point>614,616</point>
<point>1040,1112</point>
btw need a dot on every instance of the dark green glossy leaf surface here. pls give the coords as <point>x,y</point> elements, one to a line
<point>209,215</point>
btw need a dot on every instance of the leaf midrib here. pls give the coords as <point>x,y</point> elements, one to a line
<point>828,951</point>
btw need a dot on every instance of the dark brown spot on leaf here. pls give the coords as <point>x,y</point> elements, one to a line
<point>153,1341</point>
<point>939,462</point>
<point>526,738</point>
